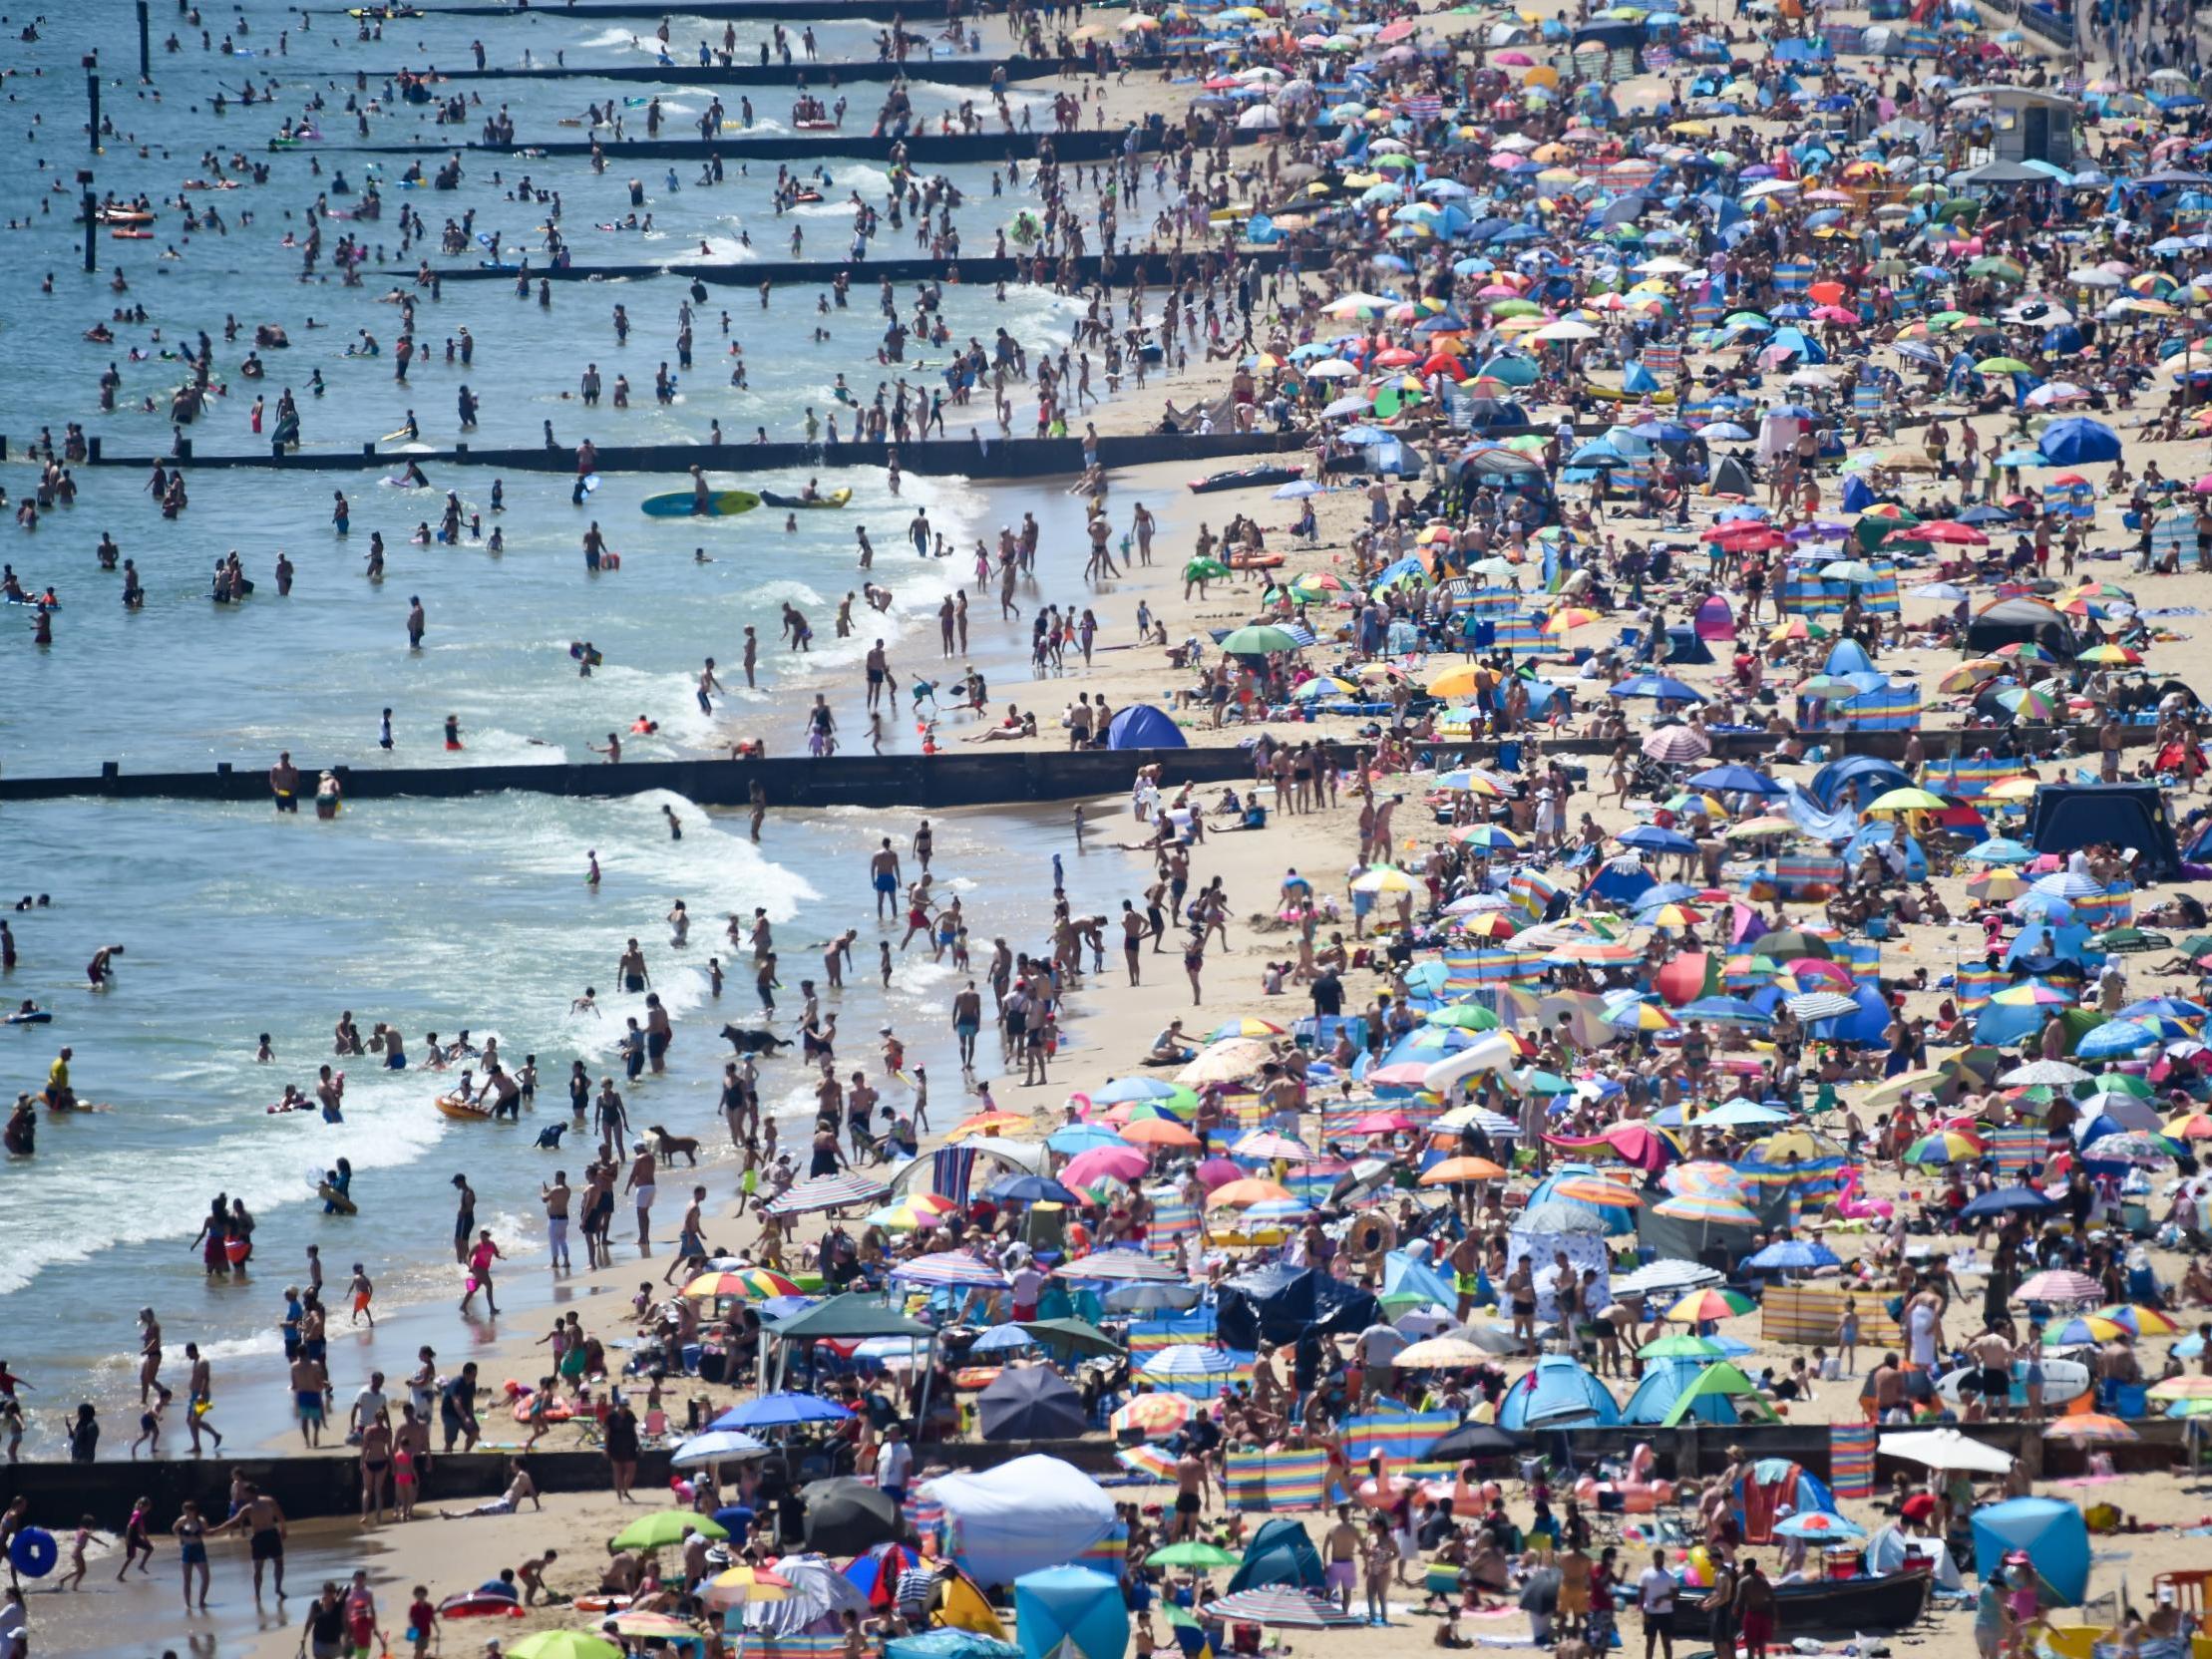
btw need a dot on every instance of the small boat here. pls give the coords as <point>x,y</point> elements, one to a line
<point>477,1110</point>
<point>1246,479</point>
<point>828,498</point>
<point>1852,1604</point>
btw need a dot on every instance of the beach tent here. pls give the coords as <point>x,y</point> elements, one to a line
<point>1558,1394</point>
<point>1732,478</point>
<point>1776,1489</point>
<point>1279,1303</point>
<point>2054,1535</point>
<point>1889,1550</point>
<point>1863,1029</point>
<point>1714,619</point>
<point>1873,775</point>
<point>2021,619</point>
<point>1620,883</point>
<point>1281,1552</point>
<point>1411,1281</point>
<point>1070,1613</point>
<point>949,1644</point>
<point>1022,1517</point>
<point>1665,1383</point>
<point>1140,725</point>
<point>1727,1384</point>
<point>2063,816</point>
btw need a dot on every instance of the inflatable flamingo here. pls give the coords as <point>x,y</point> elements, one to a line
<point>1853,1207</point>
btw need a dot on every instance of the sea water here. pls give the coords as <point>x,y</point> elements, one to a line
<point>428,915</point>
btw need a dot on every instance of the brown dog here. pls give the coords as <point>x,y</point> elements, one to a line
<point>670,1146</point>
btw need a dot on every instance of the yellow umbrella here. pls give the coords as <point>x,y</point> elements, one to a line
<point>1462,679</point>
<point>2011,789</point>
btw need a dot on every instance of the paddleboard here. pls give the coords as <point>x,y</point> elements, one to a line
<point>721,503</point>
<point>590,483</point>
<point>2064,1380</point>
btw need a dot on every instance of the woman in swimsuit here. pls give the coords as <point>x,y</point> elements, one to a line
<point>191,1533</point>
<point>376,1464</point>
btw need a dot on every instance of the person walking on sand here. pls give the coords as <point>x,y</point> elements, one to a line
<point>481,1256</point>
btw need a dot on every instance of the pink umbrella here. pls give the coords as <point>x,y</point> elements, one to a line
<point>1836,315</point>
<point>1513,60</point>
<point>1216,1172</point>
<point>1382,1122</point>
<point>1120,1163</point>
<point>1407,1073</point>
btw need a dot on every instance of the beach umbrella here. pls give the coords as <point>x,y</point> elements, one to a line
<point>1701,1306</point>
<point>1819,1523</point>
<point>1453,1169</point>
<point>1440,1353</point>
<point>1156,1416</point>
<point>2140,1320</point>
<point>1595,1190</point>
<point>828,1192</point>
<point>776,1411</point>
<point>2091,1427</point>
<point>1947,1448</point>
<point>1192,1552</point>
<point>1259,640</point>
<point>740,1586</point>
<point>716,1445</point>
<point>1280,1606</point>
<point>1677,745</point>
<point>2058,1285</point>
<point>665,1528</point>
<point>1945,1146</point>
<point>1709,1209</point>
<point>563,1644</point>
<point>1118,1266</point>
<point>1794,1254</point>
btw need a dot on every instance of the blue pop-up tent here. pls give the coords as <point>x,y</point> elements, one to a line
<point>1071,1612</point>
<point>2055,1535</point>
<point>1558,1394</point>
<point>1140,725</point>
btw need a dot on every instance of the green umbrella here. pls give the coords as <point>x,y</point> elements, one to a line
<point>1682,1346</point>
<point>2004,366</point>
<point>1204,569</point>
<point>1258,641</point>
<point>563,1644</point>
<point>665,1527</point>
<point>1465,1015</point>
<point>1995,264</point>
<point>2131,938</point>
<point>1193,1554</point>
<point>1075,1335</point>
<point>1513,370</point>
<point>1515,308</point>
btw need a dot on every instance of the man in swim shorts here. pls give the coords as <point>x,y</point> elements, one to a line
<point>883,872</point>
<point>263,1521</point>
<point>308,1382</point>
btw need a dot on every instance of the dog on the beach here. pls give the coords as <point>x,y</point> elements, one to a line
<point>669,1147</point>
<point>548,1138</point>
<point>755,1041</point>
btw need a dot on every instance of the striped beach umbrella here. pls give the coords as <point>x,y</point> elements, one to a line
<point>827,1193</point>
<point>1707,1207</point>
<point>1282,1606</point>
<point>950,1267</point>
<point>1702,1305</point>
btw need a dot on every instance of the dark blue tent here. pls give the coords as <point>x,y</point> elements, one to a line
<point>1281,1552</point>
<point>1873,775</point>
<point>1140,725</point>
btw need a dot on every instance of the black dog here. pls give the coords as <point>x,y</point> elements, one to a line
<point>754,1042</point>
<point>548,1138</point>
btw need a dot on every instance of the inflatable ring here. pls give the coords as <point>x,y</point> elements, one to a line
<point>976,1377</point>
<point>33,1552</point>
<point>600,1603</point>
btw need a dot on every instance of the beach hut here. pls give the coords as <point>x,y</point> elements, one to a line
<point>1070,1613</point>
<point>1140,725</point>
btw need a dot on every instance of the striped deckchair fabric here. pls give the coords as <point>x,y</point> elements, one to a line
<point>1793,277</point>
<point>2018,1148</point>
<point>1496,605</point>
<point>1277,1481</point>
<point>1466,971</point>
<point>1977,984</point>
<point>1396,1435</point>
<point>925,1516</point>
<point>758,1644</point>
<point>1967,778</point>
<point>2109,908</point>
<point>1662,361</point>
<point>1894,708</point>
<point>1807,1314</point>
<point>1149,1336</point>
<point>1851,1460</point>
<point>1521,636</point>
<point>1813,1181</point>
<point>1174,1221</point>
